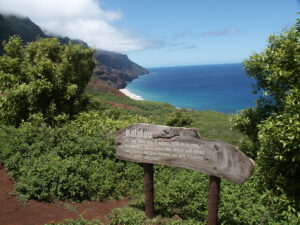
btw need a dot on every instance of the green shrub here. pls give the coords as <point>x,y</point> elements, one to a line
<point>184,192</point>
<point>80,221</point>
<point>180,192</point>
<point>127,216</point>
<point>135,216</point>
<point>273,125</point>
<point>75,161</point>
<point>43,77</point>
<point>279,155</point>
<point>179,119</point>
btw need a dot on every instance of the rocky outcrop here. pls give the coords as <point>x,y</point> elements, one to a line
<point>110,78</point>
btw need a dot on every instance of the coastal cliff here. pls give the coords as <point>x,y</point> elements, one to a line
<point>112,68</point>
<point>116,68</point>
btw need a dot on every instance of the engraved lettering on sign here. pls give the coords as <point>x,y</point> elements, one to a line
<point>138,133</point>
<point>158,149</point>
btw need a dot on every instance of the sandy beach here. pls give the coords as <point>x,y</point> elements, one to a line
<point>130,95</point>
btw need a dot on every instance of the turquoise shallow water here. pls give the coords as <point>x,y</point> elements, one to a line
<point>222,88</point>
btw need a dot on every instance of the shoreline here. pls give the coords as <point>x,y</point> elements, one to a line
<point>131,95</point>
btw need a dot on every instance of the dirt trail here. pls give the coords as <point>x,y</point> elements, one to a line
<point>13,212</point>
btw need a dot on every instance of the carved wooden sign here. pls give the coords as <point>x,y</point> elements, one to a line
<point>182,147</point>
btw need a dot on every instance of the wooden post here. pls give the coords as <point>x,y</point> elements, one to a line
<point>213,199</point>
<point>149,190</point>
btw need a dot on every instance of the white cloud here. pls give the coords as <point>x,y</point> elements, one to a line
<point>79,19</point>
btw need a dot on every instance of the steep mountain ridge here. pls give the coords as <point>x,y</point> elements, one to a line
<point>113,69</point>
<point>119,66</point>
<point>23,27</point>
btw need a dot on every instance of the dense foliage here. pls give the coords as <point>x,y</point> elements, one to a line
<point>182,195</point>
<point>274,124</point>
<point>279,153</point>
<point>43,77</point>
<point>80,221</point>
<point>75,161</point>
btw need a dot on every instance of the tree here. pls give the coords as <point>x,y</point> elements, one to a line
<point>279,153</point>
<point>274,124</point>
<point>43,77</point>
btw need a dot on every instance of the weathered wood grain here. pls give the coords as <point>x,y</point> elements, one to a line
<point>182,147</point>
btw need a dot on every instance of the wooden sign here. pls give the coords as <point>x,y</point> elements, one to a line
<point>182,147</point>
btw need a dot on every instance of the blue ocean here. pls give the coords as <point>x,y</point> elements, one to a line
<point>223,88</point>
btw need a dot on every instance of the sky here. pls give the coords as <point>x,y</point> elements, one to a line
<point>156,33</point>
